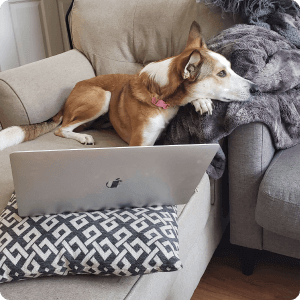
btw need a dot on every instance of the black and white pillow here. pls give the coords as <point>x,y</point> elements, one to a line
<point>122,242</point>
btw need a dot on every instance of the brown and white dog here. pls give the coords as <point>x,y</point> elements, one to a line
<point>141,105</point>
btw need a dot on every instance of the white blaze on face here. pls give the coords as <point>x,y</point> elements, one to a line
<point>231,87</point>
<point>220,58</point>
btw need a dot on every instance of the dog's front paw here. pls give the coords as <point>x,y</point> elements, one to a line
<point>86,139</point>
<point>203,105</point>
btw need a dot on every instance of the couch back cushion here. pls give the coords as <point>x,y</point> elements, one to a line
<point>123,36</point>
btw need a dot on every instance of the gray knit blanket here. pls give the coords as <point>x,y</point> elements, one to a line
<point>269,57</point>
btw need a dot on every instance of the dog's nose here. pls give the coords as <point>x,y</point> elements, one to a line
<point>254,89</point>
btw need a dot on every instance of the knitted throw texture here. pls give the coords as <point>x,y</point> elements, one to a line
<point>265,51</point>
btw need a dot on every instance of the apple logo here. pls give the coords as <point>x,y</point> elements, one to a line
<point>113,184</point>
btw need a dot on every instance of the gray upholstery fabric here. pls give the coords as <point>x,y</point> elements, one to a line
<point>278,202</point>
<point>69,288</point>
<point>250,151</point>
<point>126,41</point>
<point>134,33</point>
<point>281,244</point>
<point>35,92</point>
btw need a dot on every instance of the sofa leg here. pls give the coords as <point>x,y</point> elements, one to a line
<point>247,261</point>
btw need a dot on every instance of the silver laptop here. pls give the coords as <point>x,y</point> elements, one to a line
<point>76,180</point>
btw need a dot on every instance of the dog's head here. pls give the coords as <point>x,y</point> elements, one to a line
<point>198,73</point>
<point>207,74</point>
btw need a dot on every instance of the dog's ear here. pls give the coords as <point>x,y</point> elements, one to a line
<point>195,39</point>
<point>192,67</point>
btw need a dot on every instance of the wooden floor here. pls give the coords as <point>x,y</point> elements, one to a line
<point>275,276</point>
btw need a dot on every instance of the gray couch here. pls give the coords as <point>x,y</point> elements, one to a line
<point>264,193</point>
<point>110,37</point>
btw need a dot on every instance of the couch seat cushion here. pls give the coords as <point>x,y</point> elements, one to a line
<point>278,203</point>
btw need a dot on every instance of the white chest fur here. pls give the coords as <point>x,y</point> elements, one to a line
<point>157,124</point>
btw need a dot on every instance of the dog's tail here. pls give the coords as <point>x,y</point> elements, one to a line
<point>18,134</point>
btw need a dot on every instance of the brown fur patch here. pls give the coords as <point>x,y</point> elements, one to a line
<point>35,130</point>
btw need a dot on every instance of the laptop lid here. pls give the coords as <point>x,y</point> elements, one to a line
<point>75,180</point>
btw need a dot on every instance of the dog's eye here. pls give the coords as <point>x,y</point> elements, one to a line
<point>222,74</point>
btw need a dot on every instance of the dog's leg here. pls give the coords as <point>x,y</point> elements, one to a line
<point>67,132</point>
<point>144,139</point>
<point>203,105</point>
<point>82,107</point>
<point>147,134</point>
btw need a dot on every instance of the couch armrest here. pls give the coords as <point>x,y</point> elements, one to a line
<point>250,151</point>
<point>35,92</point>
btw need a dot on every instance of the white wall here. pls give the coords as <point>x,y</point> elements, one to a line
<point>31,30</point>
<point>8,50</point>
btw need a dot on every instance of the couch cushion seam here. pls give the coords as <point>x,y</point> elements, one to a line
<point>274,199</point>
<point>17,97</point>
<point>70,25</point>
<point>133,31</point>
<point>171,39</point>
<point>133,286</point>
<point>273,162</point>
<point>286,233</point>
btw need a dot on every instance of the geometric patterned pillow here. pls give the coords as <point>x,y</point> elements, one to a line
<point>121,242</point>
